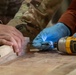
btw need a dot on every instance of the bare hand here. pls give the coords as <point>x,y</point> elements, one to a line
<point>11,36</point>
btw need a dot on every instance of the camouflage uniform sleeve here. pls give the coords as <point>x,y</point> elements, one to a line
<point>34,15</point>
<point>8,8</point>
<point>17,18</point>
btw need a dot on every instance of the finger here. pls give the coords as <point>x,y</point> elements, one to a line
<point>5,36</point>
<point>9,40</point>
<point>17,33</point>
<point>37,43</point>
<point>5,42</point>
<point>15,45</point>
<point>18,37</point>
<point>14,31</point>
<point>19,42</point>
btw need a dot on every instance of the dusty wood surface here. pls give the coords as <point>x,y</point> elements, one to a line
<point>42,63</point>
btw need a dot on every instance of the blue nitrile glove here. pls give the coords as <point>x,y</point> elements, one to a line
<point>50,35</point>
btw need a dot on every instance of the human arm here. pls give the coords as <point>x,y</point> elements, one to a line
<point>35,15</point>
<point>68,19</point>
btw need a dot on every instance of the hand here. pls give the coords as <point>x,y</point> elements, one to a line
<point>11,36</point>
<point>50,35</point>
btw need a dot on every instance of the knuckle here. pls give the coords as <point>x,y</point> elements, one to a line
<point>2,41</point>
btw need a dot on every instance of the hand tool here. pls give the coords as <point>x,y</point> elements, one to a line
<point>65,45</point>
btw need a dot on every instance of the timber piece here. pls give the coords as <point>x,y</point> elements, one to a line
<point>7,53</point>
<point>65,69</point>
<point>41,63</point>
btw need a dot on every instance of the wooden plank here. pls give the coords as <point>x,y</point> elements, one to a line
<point>6,54</point>
<point>72,72</point>
<point>42,63</point>
<point>38,63</point>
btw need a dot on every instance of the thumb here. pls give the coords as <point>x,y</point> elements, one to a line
<point>37,43</point>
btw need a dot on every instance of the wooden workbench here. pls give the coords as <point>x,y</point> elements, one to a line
<point>40,63</point>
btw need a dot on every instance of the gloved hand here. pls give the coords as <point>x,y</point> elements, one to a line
<point>50,35</point>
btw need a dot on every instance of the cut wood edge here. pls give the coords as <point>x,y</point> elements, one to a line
<point>7,54</point>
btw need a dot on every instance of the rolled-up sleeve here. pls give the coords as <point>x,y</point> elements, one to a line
<point>69,17</point>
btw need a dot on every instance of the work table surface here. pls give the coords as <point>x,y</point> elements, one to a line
<point>40,63</point>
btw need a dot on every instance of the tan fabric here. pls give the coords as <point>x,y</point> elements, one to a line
<point>35,15</point>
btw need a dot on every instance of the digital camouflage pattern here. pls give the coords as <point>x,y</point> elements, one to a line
<point>34,15</point>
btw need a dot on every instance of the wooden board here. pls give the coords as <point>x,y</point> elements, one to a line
<point>6,54</point>
<point>72,73</point>
<point>42,63</point>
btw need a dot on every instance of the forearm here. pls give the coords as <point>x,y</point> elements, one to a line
<point>69,17</point>
<point>36,15</point>
<point>40,10</point>
<point>22,10</point>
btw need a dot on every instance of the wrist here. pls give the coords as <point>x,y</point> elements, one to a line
<point>64,28</point>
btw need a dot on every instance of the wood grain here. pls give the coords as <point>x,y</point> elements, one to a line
<point>38,63</point>
<point>41,63</point>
